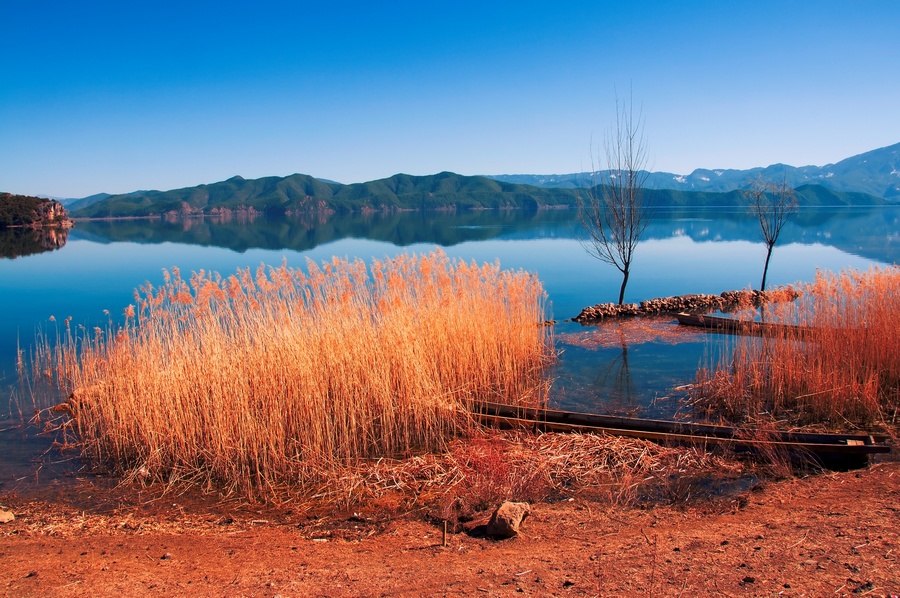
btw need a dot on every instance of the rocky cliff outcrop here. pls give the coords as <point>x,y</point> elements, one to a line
<point>32,212</point>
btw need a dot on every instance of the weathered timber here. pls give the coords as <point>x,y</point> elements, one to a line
<point>735,326</point>
<point>850,450</point>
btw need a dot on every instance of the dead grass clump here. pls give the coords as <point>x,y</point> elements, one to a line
<point>282,378</point>
<point>478,472</point>
<point>839,366</point>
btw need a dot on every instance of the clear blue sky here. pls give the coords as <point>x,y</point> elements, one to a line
<point>120,96</point>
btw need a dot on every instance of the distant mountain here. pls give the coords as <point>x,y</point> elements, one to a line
<point>876,173</point>
<point>81,201</point>
<point>807,196</point>
<point>303,194</point>
<point>300,193</point>
<point>75,204</point>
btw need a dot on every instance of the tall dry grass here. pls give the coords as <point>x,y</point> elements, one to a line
<point>281,378</point>
<point>840,366</point>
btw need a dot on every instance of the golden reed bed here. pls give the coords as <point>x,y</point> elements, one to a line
<point>281,378</point>
<point>842,371</point>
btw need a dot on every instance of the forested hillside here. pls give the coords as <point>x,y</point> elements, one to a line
<point>301,193</point>
<point>24,210</point>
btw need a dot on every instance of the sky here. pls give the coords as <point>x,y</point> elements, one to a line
<point>123,96</point>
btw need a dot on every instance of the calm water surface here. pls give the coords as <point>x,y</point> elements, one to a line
<point>687,251</point>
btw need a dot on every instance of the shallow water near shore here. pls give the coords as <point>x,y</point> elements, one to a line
<point>605,368</point>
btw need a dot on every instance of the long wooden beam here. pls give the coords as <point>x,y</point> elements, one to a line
<point>682,432</point>
<point>735,326</point>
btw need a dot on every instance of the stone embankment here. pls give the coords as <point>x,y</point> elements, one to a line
<point>697,304</point>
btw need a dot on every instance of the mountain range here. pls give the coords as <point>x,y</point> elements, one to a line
<point>876,173</point>
<point>866,179</point>
<point>301,193</point>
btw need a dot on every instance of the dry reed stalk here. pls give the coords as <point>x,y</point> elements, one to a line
<point>490,466</point>
<point>283,378</point>
<point>840,367</point>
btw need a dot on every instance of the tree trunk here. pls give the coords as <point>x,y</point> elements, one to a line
<point>622,288</point>
<point>762,287</point>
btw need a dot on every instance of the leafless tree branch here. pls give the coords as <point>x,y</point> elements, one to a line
<point>615,216</point>
<point>772,204</point>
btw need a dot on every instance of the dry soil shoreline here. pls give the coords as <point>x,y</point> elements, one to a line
<point>832,534</point>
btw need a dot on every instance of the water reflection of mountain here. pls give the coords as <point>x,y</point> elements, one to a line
<point>873,233</point>
<point>21,241</point>
<point>303,232</point>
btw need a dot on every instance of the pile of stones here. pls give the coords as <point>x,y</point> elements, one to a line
<point>698,304</point>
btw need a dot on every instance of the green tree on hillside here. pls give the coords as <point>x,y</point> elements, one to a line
<point>24,210</point>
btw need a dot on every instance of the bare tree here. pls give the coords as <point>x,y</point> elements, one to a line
<point>615,216</point>
<point>772,203</point>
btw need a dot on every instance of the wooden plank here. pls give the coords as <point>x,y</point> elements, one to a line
<point>750,443</point>
<point>678,432</point>
<point>733,326</point>
<point>665,426</point>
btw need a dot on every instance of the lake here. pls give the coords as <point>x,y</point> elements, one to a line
<point>600,369</point>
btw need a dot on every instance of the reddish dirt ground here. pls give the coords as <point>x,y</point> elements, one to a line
<point>833,534</point>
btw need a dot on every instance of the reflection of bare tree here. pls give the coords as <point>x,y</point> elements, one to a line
<point>613,383</point>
